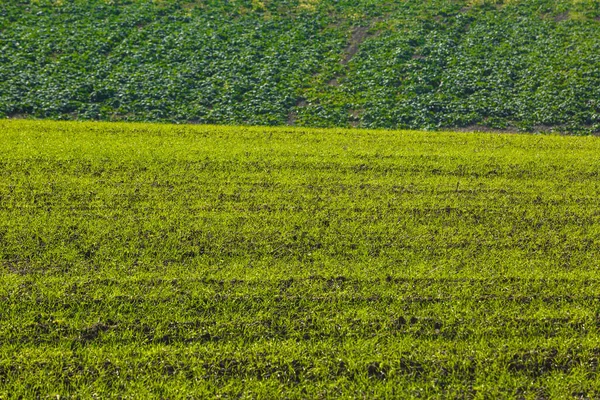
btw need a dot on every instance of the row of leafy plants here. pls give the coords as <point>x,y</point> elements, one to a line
<point>519,65</point>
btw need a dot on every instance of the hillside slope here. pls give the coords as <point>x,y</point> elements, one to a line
<point>518,65</point>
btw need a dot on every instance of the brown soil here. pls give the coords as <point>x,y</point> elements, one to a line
<point>293,115</point>
<point>480,128</point>
<point>562,17</point>
<point>359,34</point>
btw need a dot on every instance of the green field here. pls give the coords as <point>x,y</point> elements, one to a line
<point>180,261</point>
<point>515,65</point>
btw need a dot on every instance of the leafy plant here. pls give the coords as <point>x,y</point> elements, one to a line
<point>527,64</point>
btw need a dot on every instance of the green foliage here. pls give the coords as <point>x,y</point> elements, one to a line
<point>523,64</point>
<point>173,261</point>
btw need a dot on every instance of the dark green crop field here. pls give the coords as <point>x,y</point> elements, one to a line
<point>173,261</point>
<point>518,65</point>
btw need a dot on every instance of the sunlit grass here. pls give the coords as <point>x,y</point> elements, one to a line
<point>173,260</point>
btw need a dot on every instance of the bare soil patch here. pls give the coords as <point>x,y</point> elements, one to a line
<point>359,34</point>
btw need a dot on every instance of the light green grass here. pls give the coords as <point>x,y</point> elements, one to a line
<point>169,261</point>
